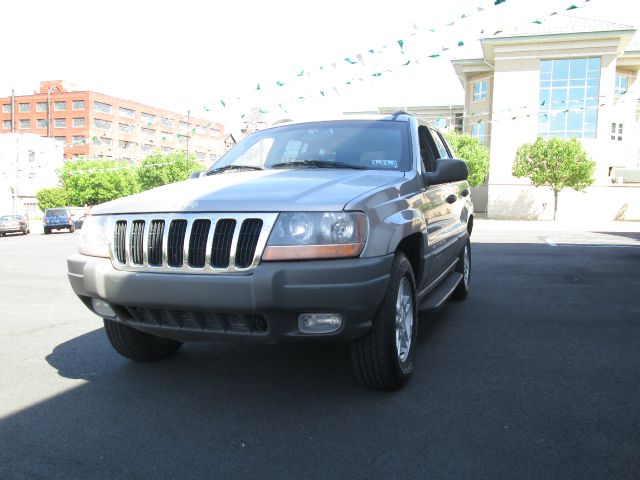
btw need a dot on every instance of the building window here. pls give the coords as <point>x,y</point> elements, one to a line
<point>41,123</point>
<point>616,131</point>
<point>78,104</point>
<point>79,140</point>
<point>24,107</point>
<point>60,122</point>
<point>622,84</point>
<point>126,128</point>
<point>146,148</point>
<point>6,108</point>
<point>478,131</point>
<point>569,94</point>
<point>127,112</point>
<point>201,156</point>
<point>60,140</point>
<point>167,149</point>
<point>126,144</point>
<point>148,118</point>
<point>41,106</point>
<point>183,126</point>
<point>25,124</point>
<point>6,124</point>
<point>60,106</point>
<point>102,107</point>
<point>166,136</point>
<point>107,142</point>
<point>458,122</point>
<point>480,90</point>
<point>216,132</point>
<point>104,124</point>
<point>182,138</point>
<point>78,122</point>
<point>167,122</point>
<point>147,132</point>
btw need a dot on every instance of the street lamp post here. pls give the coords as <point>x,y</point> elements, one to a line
<point>49,108</point>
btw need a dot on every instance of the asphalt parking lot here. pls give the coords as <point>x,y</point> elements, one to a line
<point>535,376</point>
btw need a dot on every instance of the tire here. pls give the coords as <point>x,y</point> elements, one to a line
<point>137,345</point>
<point>72,229</point>
<point>381,359</point>
<point>463,267</point>
<point>47,230</point>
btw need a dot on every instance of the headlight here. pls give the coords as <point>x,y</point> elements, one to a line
<point>94,236</point>
<point>307,235</point>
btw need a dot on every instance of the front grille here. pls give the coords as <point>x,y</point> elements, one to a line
<point>190,243</point>
<point>194,320</point>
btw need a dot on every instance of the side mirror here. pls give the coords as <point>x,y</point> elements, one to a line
<point>197,174</point>
<point>447,170</point>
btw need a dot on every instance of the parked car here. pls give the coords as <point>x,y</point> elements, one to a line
<point>58,219</point>
<point>13,224</point>
<point>317,231</point>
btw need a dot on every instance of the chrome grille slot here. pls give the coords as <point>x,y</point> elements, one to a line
<point>175,248</point>
<point>135,242</point>
<point>119,240</point>
<point>247,241</point>
<point>190,243</point>
<point>222,239</point>
<point>198,243</point>
<point>154,250</point>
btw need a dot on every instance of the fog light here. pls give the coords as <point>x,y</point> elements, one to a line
<point>319,322</point>
<point>102,308</point>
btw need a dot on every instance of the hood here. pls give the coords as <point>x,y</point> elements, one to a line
<point>256,191</point>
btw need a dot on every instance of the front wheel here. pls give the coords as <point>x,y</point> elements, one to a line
<point>383,359</point>
<point>137,345</point>
<point>47,230</point>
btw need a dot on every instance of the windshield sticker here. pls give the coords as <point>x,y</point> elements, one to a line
<point>385,163</point>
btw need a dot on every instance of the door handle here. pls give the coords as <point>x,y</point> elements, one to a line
<point>451,198</point>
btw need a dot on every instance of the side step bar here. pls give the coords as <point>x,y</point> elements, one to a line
<point>437,297</point>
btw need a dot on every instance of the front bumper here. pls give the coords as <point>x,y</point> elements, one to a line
<point>277,292</point>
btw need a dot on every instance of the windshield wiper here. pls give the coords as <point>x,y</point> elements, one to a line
<point>232,167</point>
<point>317,164</point>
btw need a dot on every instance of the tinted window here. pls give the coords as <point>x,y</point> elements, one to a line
<point>442,150</point>
<point>57,212</point>
<point>376,145</point>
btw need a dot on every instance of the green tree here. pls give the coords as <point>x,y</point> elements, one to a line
<point>96,181</point>
<point>556,163</point>
<point>159,169</point>
<point>51,198</point>
<point>468,148</point>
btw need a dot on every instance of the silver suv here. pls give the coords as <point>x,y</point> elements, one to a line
<point>327,230</point>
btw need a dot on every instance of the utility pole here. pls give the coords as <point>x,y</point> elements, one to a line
<point>188,130</point>
<point>49,108</point>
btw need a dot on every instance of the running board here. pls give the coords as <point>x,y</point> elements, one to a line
<point>439,295</point>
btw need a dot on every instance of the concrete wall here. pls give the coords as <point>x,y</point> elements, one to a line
<point>609,202</point>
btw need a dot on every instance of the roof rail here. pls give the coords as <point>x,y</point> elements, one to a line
<point>398,113</point>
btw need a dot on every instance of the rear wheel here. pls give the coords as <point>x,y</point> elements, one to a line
<point>383,359</point>
<point>72,229</point>
<point>137,345</point>
<point>47,230</point>
<point>463,267</point>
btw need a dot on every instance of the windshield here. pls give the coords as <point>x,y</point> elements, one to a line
<point>7,218</point>
<point>56,212</point>
<point>359,144</point>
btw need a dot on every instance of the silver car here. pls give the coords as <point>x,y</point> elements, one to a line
<point>13,224</point>
<point>336,230</point>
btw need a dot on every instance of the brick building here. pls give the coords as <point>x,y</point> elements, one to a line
<point>97,126</point>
